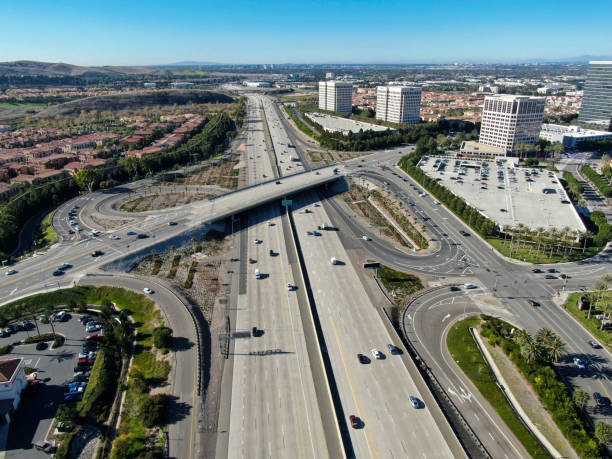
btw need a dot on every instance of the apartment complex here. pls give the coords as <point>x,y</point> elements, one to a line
<point>336,96</point>
<point>597,100</point>
<point>508,120</point>
<point>398,104</point>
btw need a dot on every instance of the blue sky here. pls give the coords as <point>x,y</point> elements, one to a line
<point>110,32</point>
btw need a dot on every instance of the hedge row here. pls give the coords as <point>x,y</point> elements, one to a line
<point>552,392</point>
<point>602,185</point>
<point>300,124</point>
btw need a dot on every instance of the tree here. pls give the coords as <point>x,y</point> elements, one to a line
<point>603,433</point>
<point>162,337</point>
<point>153,410</point>
<point>88,179</point>
<point>581,398</point>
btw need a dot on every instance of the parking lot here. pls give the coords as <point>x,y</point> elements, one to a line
<point>506,194</point>
<point>32,419</point>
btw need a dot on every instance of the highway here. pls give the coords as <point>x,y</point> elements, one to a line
<point>377,392</point>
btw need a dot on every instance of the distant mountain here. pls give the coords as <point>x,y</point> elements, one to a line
<point>188,64</point>
<point>61,69</point>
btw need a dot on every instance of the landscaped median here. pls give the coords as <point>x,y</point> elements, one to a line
<point>130,322</point>
<point>593,323</point>
<point>534,357</point>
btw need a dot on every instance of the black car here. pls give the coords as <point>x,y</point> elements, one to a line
<point>537,271</point>
<point>41,346</point>
<point>550,276</point>
<point>142,236</point>
<point>81,377</point>
<point>533,303</point>
<point>551,270</point>
<point>594,344</point>
<point>600,400</point>
<point>58,272</point>
<point>97,253</point>
<point>278,182</point>
<point>362,358</point>
<point>464,233</point>
<point>65,266</point>
<point>85,319</point>
<point>82,368</point>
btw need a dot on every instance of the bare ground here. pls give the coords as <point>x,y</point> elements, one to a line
<point>162,201</point>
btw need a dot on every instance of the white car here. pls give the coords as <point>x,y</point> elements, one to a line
<point>93,328</point>
<point>114,237</point>
<point>376,353</point>
<point>365,238</point>
<point>290,287</point>
<point>258,241</point>
<point>469,286</point>
<point>147,290</point>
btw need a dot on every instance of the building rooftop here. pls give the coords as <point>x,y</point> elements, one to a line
<point>8,369</point>
<point>337,123</point>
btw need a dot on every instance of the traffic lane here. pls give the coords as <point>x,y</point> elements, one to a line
<point>183,377</point>
<point>358,332</point>
<point>427,324</point>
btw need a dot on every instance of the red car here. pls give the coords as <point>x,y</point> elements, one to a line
<point>70,231</point>
<point>85,362</point>
<point>354,421</point>
<point>94,337</point>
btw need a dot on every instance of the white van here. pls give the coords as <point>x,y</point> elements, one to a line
<point>257,274</point>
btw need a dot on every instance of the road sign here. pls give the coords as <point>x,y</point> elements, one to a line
<point>286,202</point>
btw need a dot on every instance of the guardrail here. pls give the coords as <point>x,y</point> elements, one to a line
<point>434,385</point>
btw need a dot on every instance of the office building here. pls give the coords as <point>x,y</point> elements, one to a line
<point>508,120</point>
<point>571,136</point>
<point>398,104</point>
<point>597,100</point>
<point>336,96</point>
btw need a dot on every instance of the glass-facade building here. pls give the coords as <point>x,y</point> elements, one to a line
<point>597,100</point>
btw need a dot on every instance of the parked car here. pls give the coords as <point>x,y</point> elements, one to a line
<point>41,346</point>
<point>414,402</point>
<point>93,328</point>
<point>81,368</point>
<point>362,358</point>
<point>85,319</point>
<point>376,353</point>
<point>93,337</point>
<point>73,396</point>
<point>393,349</point>
<point>354,421</point>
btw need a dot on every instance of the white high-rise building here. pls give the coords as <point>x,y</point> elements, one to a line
<point>508,120</point>
<point>398,104</point>
<point>336,96</point>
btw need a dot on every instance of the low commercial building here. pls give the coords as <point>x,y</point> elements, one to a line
<point>181,84</point>
<point>480,150</point>
<point>12,383</point>
<point>257,84</point>
<point>344,125</point>
<point>398,104</point>
<point>571,136</point>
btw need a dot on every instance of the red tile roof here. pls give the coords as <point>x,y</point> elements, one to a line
<point>7,369</point>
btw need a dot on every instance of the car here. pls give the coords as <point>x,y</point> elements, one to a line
<point>469,286</point>
<point>393,349</point>
<point>354,421</point>
<point>414,401</point>
<point>376,353</point>
<point>362,358</point>
<point>278,182</point>
<point>271,252</point>
<point>454,288</point>
<point>171,223</point>
<point>254,331</point>
<point>600,400</point>
<point>10,272</point>
<point>79,377</point>
<point>44,319</point>
<point>257,241</point>
<point>114,237</point>
<point>62,316</point>
<point>551,270</point>
<point>97,253</point>
<point>85,361</point>
<point>533,303</point>
<point>594,344</point>
<point>464,233</point>
<point>142,236</point>
<point>93,328</point>
<point>58,272</point>
<point>93,337</point>
<point>550,276</point>
<point>365,238</point>
<point>85,319</point>
<point>147,290</point>
<point>579,363</point>
<point>7,331</point>
<point>63,426</point>
<point>74,387</point>
<point>131,233</point>
<point>563,276</point>
<point>73,396</point>
<point>70,231</point>
<point>64,266</point>
<point>537,271</point>
<point>41,346</point>
<point>290,287</point>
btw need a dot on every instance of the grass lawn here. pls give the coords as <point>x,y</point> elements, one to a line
<point>48,236</point>
<point>529,254</point>
<point>592,324</point>
<point>465,352</point>
<point>399,284</point>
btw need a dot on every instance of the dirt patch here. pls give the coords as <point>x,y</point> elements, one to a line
<point>221,173</point>
<point>109,223</point>
<point>162,201</point>
<point>324,157</point>
<point>529,401</point>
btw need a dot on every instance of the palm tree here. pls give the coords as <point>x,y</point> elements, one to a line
<point>600,287</point>
<point>521,337</point>
<point>530,350</point>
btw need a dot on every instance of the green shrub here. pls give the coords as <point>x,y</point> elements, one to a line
<point>128,446</point>
<point>64,448</point>
<point>5,349</point>
<point>100,390</point>
<point>600,183</point>
<point>38,338</point>
<point>162,337</point>
<point>153,410</point>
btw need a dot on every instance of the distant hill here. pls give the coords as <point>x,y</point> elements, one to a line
<point>61,69</point>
